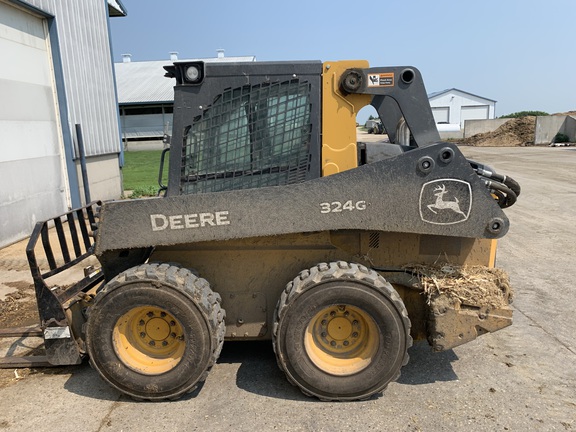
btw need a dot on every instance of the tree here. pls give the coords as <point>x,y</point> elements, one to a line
<point>525,114</point>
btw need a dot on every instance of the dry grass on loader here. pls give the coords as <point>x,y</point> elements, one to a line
<point>469,285</point>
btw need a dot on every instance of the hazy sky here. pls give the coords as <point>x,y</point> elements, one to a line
<point>520,53</point>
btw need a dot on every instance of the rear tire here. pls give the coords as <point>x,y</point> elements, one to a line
<point>341,332</point>
<point>155,331</point>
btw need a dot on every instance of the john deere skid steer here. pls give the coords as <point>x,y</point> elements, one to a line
<point>276,224</point>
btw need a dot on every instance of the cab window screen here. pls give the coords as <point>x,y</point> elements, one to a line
<point>250,137</point>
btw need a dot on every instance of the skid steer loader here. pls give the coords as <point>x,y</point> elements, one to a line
<point>276,224</point>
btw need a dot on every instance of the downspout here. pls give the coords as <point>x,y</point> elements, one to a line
<point>73,186</point>
<point>121,154</point>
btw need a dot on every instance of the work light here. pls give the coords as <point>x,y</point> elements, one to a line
<point>192,72</point>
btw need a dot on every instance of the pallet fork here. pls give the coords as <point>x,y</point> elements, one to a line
<point>73,243</point>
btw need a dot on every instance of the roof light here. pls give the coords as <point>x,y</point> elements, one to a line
<point>192,73</point>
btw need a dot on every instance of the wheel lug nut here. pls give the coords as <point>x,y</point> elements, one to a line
<point>172,323</point>
<point>164,343</point>
<point>172,335</point>
<point>355,335</point>
<point>162,314</point>
<point>142,334</point>
<point>346,313</point>
<point>333,343</point>
<point>341,308</point>
<point>152,343</point>
<point>332,314</point>
<point>323,334</point>
<point>324,322</point>
<point>354,323</point>
<point>346,343</point>
<point>150,314</point>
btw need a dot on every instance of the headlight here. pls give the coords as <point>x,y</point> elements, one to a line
<point>192,73</point>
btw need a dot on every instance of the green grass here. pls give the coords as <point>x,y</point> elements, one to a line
<point>140,172</point>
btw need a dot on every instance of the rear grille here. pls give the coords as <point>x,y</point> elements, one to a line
<point>250,137</point>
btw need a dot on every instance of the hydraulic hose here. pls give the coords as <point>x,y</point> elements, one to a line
<point>508,181</point>
<point>506,187</point>
<point>510,196</point>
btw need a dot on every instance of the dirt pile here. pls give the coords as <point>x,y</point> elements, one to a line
<point>19,309</point>
<point>515,132</point>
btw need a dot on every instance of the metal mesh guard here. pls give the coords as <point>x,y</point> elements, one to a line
<point>250,137</point>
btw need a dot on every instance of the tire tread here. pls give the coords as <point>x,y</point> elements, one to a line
<point>192,286</point>
<point>324,272</point>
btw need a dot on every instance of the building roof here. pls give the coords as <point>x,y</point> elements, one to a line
<point>144,82</point>
<point>439,93</point>
<point>116,8</point>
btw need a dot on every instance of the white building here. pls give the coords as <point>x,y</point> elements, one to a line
<point>146,98</point>
<point>56,72</point>
<point>455,106</point>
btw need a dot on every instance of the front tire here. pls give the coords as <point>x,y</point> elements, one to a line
<point>341,332</point>
<point>155,331</point>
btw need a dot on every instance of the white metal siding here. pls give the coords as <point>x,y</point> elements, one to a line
<point>441,114</point>
<point>463,106</point>
<point>88,71</point>
<point>33,182</point>
<point>478,112</point>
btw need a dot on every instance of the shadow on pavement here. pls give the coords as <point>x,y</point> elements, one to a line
<point>426,367</point>
<point>259,373</point>
<point>85,381</point>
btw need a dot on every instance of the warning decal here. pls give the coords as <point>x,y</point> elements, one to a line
<point>381,80</point>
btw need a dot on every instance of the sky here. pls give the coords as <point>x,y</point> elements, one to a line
<point>520,53</point>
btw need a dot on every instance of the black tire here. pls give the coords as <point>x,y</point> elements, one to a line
<point>341,332</point>
<point>155,331</point>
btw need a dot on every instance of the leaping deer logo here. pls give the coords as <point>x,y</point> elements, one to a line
<point>440,204</point>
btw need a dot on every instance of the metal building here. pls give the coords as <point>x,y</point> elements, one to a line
<point>453,106</point>
<point>56,73</point>
<point>146,98</point>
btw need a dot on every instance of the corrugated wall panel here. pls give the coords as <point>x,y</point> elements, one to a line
<point>32,184</point>
<point>83,39</point>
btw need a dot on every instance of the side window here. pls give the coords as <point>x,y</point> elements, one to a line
<point>252,136</point>
<point>219,145</point>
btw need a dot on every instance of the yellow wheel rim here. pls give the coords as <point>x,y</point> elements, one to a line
<point>341,340</point>
<point>149,340</point>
